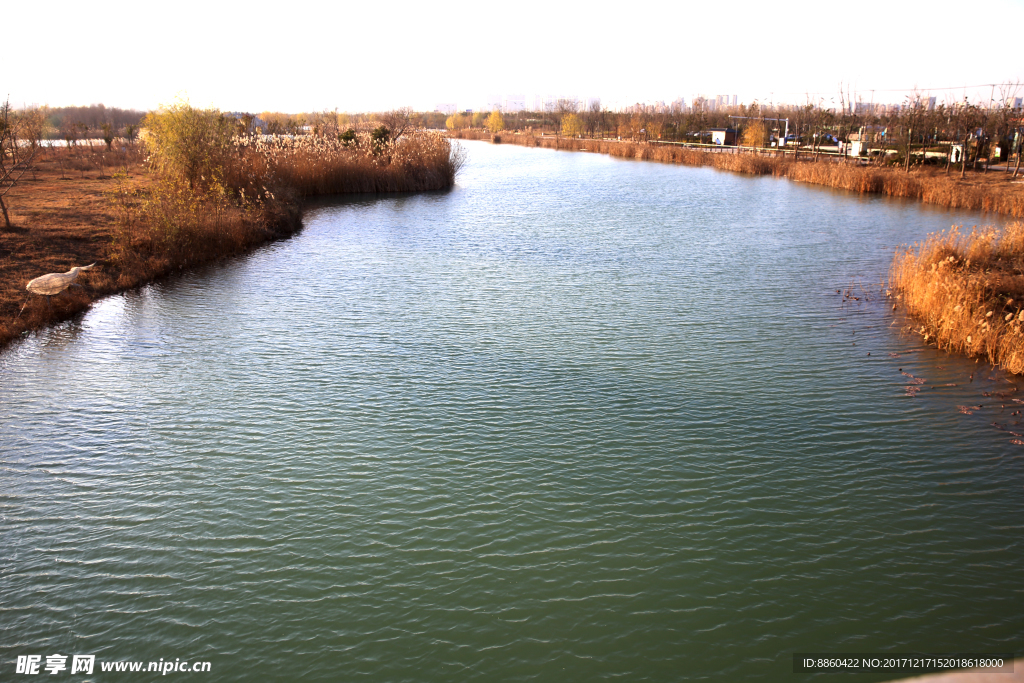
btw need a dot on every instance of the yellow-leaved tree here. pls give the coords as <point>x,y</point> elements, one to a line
<point>753,136</point>
<point>572,126</point>
<point>495,123</point>
<point>189,145</point>
<point>457,122</point>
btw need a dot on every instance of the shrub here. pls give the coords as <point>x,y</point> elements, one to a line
<point>189,145</point>
<point>379,139</point>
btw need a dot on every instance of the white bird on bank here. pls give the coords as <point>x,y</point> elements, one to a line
<point>55,283</point>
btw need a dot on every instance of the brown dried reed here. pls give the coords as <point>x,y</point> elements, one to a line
<point>255,198</point>
<point>966,291</point>
<point>174,228</point>
<point>165,223</point>
<point>929,186</point>
<point>313,165</point>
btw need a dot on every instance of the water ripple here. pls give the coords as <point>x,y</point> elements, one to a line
<point>579,419</point>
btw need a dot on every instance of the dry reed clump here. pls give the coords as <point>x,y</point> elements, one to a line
<point>966,292</point>
<point>315,165</point>
<point>932,187</point>
<point>250,195</point>
<point>169,226</point>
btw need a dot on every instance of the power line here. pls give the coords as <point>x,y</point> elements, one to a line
<point>911,89</point>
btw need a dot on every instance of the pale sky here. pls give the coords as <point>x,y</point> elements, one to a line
<point>257,56</point>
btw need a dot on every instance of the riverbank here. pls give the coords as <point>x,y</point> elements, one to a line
<point>966,292</point>
<point>994,191</point>
<point>80,206</point>
<point>64,216</point>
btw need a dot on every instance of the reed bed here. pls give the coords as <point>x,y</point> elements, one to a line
<point>995,194</point>
<point>252,194</point>
<point>169,228</point>
<point>965,292</point>
<point>309,166</point>
<point>201,195</point>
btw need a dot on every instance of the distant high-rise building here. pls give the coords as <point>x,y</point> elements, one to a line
<point>723,101</point>
<point>514,103</point>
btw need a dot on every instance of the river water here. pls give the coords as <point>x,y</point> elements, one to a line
<point>578,419</point>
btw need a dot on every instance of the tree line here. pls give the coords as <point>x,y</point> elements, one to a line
<point>913,132</point>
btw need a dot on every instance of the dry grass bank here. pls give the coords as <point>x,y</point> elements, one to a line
<point>993,191</point>
<point>66,213</point>
<point>966,292</point>
<point>80,206</point>
<point>62,218</point>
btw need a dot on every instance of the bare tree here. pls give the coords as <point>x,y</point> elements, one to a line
<point>1018,142</point>
<point>326,123</point>
<point>913,115</point>
<point>593,118</point>
<point>397,121</point>
<point>69,133</point>
<point>638,125</point>
<point>945,112</point>
<point>655,126</point>
<point>15,158</point>
<point>32,125</point>
<point>108,134</point>
<point>967,118</point>
<point>1006,117</point>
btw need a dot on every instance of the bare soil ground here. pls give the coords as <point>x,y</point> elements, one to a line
<point>62,217</point>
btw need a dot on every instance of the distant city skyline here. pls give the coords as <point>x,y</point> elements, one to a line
<point>354,59</point>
